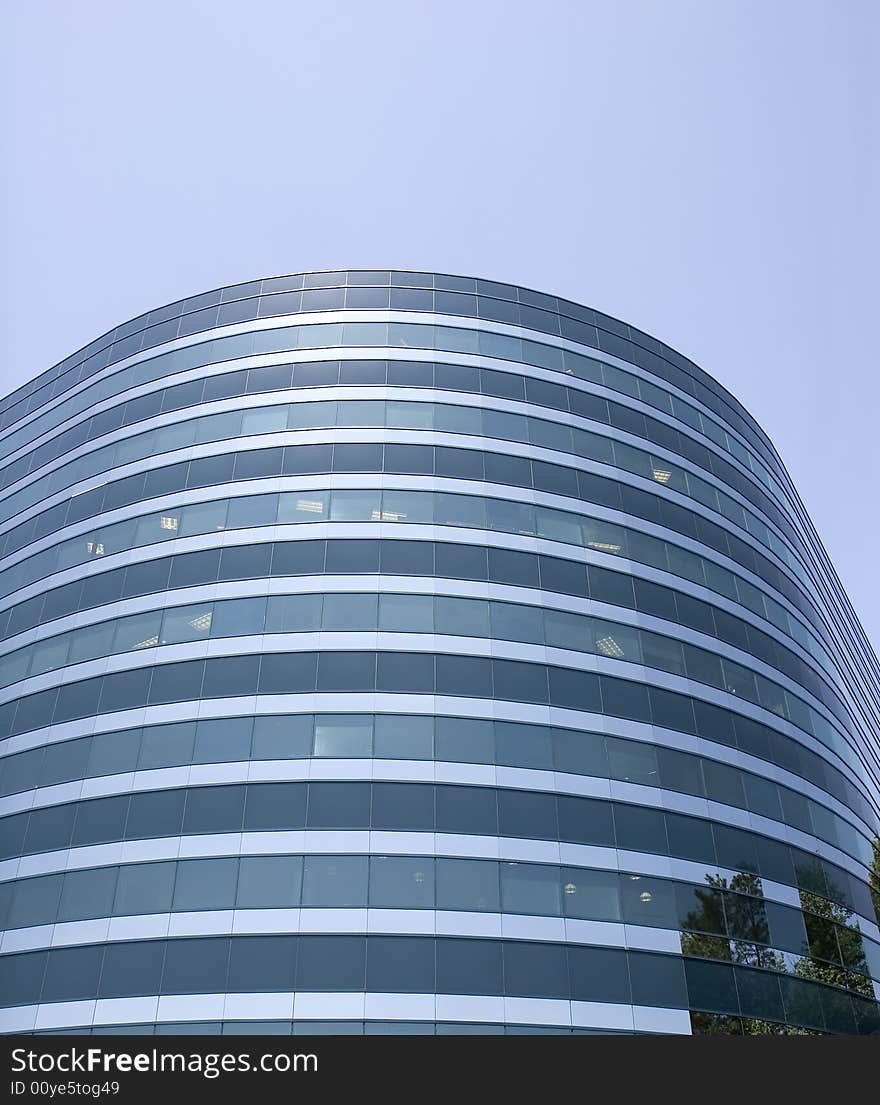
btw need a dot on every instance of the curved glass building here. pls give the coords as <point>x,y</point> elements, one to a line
<point>397,652</point>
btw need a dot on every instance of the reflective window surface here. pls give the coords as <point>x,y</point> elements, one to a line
<point>402,613</point>
<point>422,558</point>
<point>724,919</point>
<point>416,737</point>
<point>367,636</point>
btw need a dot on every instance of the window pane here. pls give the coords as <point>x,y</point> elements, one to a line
<point>35,901</point>
<point>407,506</point>
<point>223,740</point>
<point>306,506</point>
<point>144,888</point>
<point>205,884</point>
<point>88,893</point>
<point>406,613</point>
<point>343,735</point>
<point>282,737</point>
<point>238,617</point>
<point>523,745</point>
<point>529,888</point>
<point>350,612</point>
<point>186,623</point>
<point>462,617</point>
<point>269,882</point>
<point>591,894</point>
<point>138,631</point>
<point>201,518</point>
<point>465,740</point>
<point>293,614</point>
<point>166,745</point>
<point>632,762</point>
<point>335,881</point>
<point>648,901</point>
<point>402,882</point>
<point>468,884</point>
<point>96,640</point>
<point>404,737</point>
<point>355,506</point>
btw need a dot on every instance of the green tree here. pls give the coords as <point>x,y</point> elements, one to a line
<point>835,953</point>
<point>742,917</point>
<point>836,949</point>
<point>874,876</point>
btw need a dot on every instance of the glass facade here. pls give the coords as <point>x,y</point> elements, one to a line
<point>392,652</point>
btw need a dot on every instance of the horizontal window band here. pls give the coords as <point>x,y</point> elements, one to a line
<point>396,501</point>
<point>443,808</point>
<point>629,752</point>
<point>279,618</point>
<point>404,447</point>
<point>346,893</point>
<point>422,449</point>
<point>646,758</point>
<point>553,523</point>
<point>409,669</point>
<point>237,571</point>
<point>247,340</point>
<point>758,553</point>
<point>635,544</point>
<point>419,844</point>
<point>401,330</point>
<point>410,453</point>
<point>412,407</point>
<point>605,536</point>
<point>341,747</point>
<point>634,590</point>
<point>351,964</point>
<point>123,732</point>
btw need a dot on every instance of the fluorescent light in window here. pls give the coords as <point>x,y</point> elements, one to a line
<point>604,546</point>
<point>662,475</point>
<point>609,647</point>
<point>168,521</point>
<point>310,506</point>
<point>202,622</point>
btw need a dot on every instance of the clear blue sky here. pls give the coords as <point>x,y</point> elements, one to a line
<point>705,169</point>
